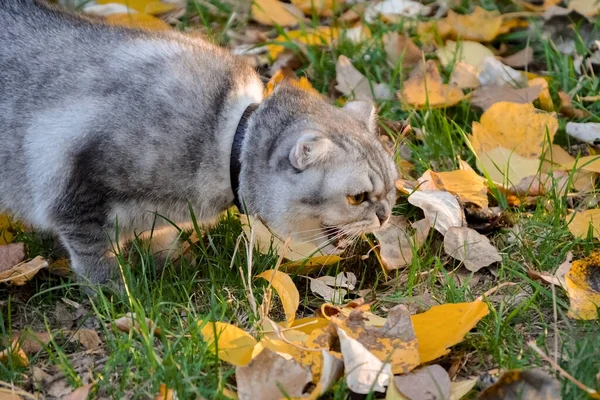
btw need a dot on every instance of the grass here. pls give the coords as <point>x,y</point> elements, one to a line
<point>209,286</point>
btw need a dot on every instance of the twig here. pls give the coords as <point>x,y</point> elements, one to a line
<point>593,393</point>
<point>495,289</point>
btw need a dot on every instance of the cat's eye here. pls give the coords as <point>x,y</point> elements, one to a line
<point>357,199</point>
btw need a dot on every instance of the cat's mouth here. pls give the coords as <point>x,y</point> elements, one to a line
<point>336,237</point>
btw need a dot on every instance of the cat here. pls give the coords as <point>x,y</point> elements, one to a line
<point>103,127</point>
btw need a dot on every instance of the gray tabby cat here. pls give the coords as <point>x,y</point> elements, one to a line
<point>101,125</point>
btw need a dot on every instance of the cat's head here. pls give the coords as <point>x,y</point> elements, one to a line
<point>314,170</point>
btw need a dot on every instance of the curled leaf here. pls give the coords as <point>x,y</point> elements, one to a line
<point>287,291</point>
<point>230,343</point>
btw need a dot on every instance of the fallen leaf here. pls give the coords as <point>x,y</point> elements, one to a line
<point>343,279</point>
<point>519,59</point>
<point>441,209</point>
<point>401,49</point>
<point>269,376</point>
<point>588,132</point>
<point>319,36</point>
<point>558,277</point>
<point>23,272</point>
<point>81,393</point>
<point>11,255</point>
<point>518,127</point>
<point>492,72</point>
<point>470,247</point>
<point>459,389</point>
<point>322,8</point>
<point>425,89</point>
<point>545,99</point>
<point>6,234</point>
<point>364,371</point>
<point>486,96</point>
<point>468,52</point>
<point>164,393</point>
<point>583,287</point>
<point>88,338</point>
<point>541,184</point>
<point>152,7</point>
<point>352,83</point>
<point>104,10</point>
<point>580,223</point>
<point>273,13</point>
<point>394,10</point>
<point>443,326</point>
<point>589,8</point>
<point>466,184</point>
<point>587,163</point>
<point>534,5</point>
<point>138,21</point>
<point>129,322</point>
<point>328,293</point>
<point>480,26</point>
<point>232,344</point>
<point>399,241</point>
<point>431,382</point>
<point>15,355</point>
<point>31,342</point>
<point>505,167</point>
<point>567,108</point>
<point>394,343</point>
<point>357,34</point>
<point>287,291</point>
<point>464,76</point>
<point>533,384</point>
<point>295,251</point>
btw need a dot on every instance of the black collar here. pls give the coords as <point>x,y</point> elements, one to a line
<point>235,162</point>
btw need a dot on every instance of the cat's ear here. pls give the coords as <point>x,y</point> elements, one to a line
<point>363,111</point>
<point>310,149</point>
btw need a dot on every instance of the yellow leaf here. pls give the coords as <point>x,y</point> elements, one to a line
<point>395,342</point>
<point>22,273</point>
<point>289,295</point>
<point>323,8</point>
<point>164,393</point>
<point>581,222</point>
<point>460,389</point>
<point>401,49</point>
<point>466,51</point>
<point>510,24</point>
<point>272,13</point>
<point>545,99</point>
<point>518,127</point>
<point>443,326</point>
<point>583,287</point>
<point>587,163</point>
<point>15,354</point>
<point>533,6</point>
<point>138,21</point>
<point>152,7</point>
<point>233,345</point>
<point>6,225</point>
<point>425,89</point>
<point>480,26</point>
<point>505,167</point>
<point>322,35</point>
<point>467,185</point>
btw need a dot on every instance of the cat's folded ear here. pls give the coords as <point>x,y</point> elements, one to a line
<point>363,111</point>
<point>310,149</point>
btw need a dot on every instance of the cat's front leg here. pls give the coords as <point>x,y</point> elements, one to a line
<point>92,257</point>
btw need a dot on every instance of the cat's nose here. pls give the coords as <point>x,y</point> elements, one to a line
<point>382,215</point>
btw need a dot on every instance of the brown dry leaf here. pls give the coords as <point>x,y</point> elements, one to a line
<point>470,247</point>
<point>23,272</point>
<point>393,343</point>
<point>466,184</point>
<point>519,59</point>
<point>130,322</point>
<point>567,108</point>
<point>558,277</point>
<point>518,127</point>
<point>11,255</point>
<point>542,183</point>
<point>431,382</point>
<point>425,89</point>
<point>319,36</point>
<point>13,353</point>
<point>480,26</point>
<point>589,8</point>
<point>580,223</point>
<point>472,53</point>
<point>232,343</point>
<point>352,83</point>
<point>273,13</point>
<point>88,338</point>
<point>399,241</point>
<point>402,50</point>
<point>138,21</point>
<point>81,393</point>
<point>269,376</point>
<point>583,287</point>
<point>441,209</point>
<point>443,326</point>
<point>295,251</point>
<point>364,371</point>
<point>588,132</point>
<point>533,384</point>
<point>464,76</point>
<point>287,291</point>
<point>31,342</point>
<point>486,96</point>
